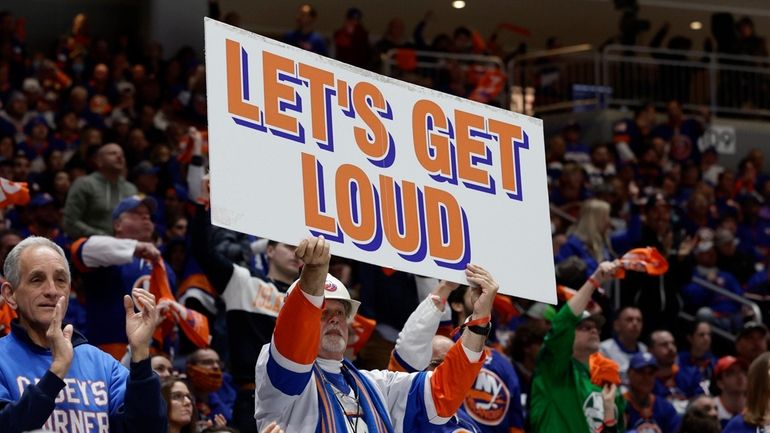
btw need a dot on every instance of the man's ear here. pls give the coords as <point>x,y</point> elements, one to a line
<point>9,295</point>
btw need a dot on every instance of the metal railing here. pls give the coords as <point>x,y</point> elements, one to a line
<point>732,296</point>
<point>457,74</point>
<point>581,78</point>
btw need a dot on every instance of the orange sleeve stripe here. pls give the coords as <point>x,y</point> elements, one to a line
<point>393,364</point>
<point>452,380</point>
<point>196,280</point>
<point>515,430</point>
<point>75,249</point>
<point>298,328</point>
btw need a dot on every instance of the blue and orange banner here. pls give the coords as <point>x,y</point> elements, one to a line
<point>392,173</point>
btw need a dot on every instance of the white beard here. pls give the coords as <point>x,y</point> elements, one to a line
<point>333,343</point>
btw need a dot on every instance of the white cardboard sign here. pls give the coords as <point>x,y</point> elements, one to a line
<point>392,173</point>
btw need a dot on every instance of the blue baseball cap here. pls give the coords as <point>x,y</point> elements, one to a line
<point>130,203</point>
<point>642,360</point>
<point>40,200</point>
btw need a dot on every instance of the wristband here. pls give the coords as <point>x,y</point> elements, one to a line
<point>594,282</point>
<point>610,423</point>
<point>480,326</point>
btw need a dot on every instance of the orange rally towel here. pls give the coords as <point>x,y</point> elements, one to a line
<point>363,328</point>
<point>13,193</point>
<point>603,370</point>
<point>6,315</point>
<point>647,260</point>
<point>194,324</point>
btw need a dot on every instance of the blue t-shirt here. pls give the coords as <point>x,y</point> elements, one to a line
<point>663,415</point>
<point>739,425</point>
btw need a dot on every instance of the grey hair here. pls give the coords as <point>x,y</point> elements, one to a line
<point>11,267</point>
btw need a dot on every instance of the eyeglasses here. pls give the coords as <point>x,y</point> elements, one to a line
<point>180,396</point>
<point>211,363</point>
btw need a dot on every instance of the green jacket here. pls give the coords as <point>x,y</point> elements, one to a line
<point>89,205</point>
<point>563,399</point>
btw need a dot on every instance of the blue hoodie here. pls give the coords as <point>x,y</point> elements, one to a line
<point>98,394</point>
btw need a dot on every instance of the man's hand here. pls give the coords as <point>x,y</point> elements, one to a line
<point>606,271</point>
<point>140,326</point>
<point>608,398</point>
<point>441,293</point>
<point>60,341</point>
<point>315,253</point>
<point>147,251</point>
<point>481,280</point>
<point>272,428</point>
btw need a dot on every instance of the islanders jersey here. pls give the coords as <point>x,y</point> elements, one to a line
<point>110,271</point>
<point>298,392</point>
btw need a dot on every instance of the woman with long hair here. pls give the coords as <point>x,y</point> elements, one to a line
<point>756,416</point>
<point>180,406</point>
<point>588,238</point>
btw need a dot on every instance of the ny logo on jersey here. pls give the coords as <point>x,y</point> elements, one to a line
<point>488,400</point>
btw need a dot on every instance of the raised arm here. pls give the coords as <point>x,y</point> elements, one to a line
<point>413,347</point>
<point>604,271</point>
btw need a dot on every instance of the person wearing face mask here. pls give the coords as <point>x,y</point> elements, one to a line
<point>213,389</point>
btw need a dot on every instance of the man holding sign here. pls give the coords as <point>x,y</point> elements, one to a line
<point>304,383</point>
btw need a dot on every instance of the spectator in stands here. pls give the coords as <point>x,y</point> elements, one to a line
<point>523,350</point>
<point>590,240</point>
<point>700,417</point>
<point>92,198</point>
<point>725,310</point>
<point>563,398</point>
<point>757,288</point>
<point>632,136</point>
<point>304,36</point>
<point>497,409</point>
<point>749,43</point>
<point>751,342</point>
<point>161,365</point>
<point>644,410</point>
<point>251,301</point>
<point>576,150</point>
<point>705,404</point>
<point>755,417</point>
<point>730,259</point>
<point>113,266</point>
<point>420,349</point>
<point>213,389</point>
<point>709,166</point>
<point>625,343</point>
<point>393,37</point>
<point>601,168</point>
<point>351,41</point>
<point>570,189</point>
<point>45,220</point>
<point>753,229</point>
<point>681,134</point>
<point>674,383</point>
<point>180,406</point>
<point>41,356</point>
<point>731,381</point>
<point>303,368</point>
<point>8,240</point>
<point>699,355</point>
